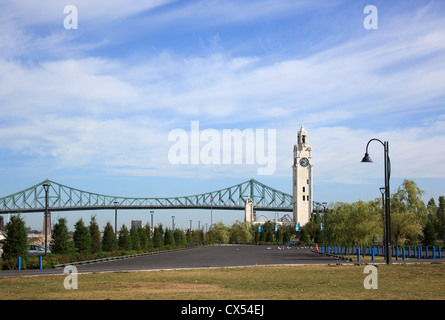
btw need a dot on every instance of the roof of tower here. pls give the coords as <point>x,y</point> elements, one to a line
<point>302,130</point>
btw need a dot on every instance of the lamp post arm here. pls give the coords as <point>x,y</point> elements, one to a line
<point>373,139</point>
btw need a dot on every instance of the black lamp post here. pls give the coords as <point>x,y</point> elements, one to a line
<point>152,228</point>
<point>387,163</point>
<point>115,216</point>
<point>324,204</point>
<point>382,191</point>
<point>46,187</point>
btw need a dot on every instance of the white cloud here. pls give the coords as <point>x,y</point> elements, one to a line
<point>115,115</point>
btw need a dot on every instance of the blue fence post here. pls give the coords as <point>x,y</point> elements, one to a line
<point>372,254</point>
<point>418,253</point>
<point>358,254</point>
<point>440,253</point>
<point>426,252</point>
<point>434,252</point>
<point>40,262</point>
<point>403,253</point>
<point>19,263</point>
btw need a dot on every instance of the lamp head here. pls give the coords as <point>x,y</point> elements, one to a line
<point>366,158</point>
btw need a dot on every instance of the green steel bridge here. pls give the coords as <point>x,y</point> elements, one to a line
<point>64,198</point>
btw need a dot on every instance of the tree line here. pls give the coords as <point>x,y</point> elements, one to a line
<point>362,223</point>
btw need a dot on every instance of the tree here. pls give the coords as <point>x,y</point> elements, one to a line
<point>135,241</point>
<point>313,228</point>
<point>124,241</point>
<point>219,232</point>
<point>240,232</point>
<point>143,238</point>
<point>279,235</point>
<point>287,234</point>
<point>96,245</point>
<point>109,241</point>
<point>158,241</point>
<point>149,237</point>
<point>256,232</point>
<point>16,243</point>
<point>195,236</point>
<point>82,238</point>
<point>408,213</point>
<point>429,234</point>
<point>179,237</point>
<point>189,237</point>
<point>267,231</point>
<point>169,240</point>
<point>357,223</point>
<point>60,242</point>
<point>304,236</point>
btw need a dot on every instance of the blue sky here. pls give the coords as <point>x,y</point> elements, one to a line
<point>92,107</point>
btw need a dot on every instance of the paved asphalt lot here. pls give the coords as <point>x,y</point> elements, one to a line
<point>198,257</point>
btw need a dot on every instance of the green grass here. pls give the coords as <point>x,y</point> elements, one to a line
<point>404,281</point>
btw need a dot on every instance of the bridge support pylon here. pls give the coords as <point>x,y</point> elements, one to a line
<point>249,215</point>
<point>46,217</point>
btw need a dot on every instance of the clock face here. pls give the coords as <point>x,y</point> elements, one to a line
<point>304,162</point>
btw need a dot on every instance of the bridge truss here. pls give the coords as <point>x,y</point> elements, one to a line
<point>64,198</point>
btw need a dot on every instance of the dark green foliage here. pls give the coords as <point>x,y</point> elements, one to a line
<point>158,240</point>
<point>82,238</point>
<point>124,241</point>
<point>96,245</point>
<point>135,241</point>
<point>429,234</point>
<point>143,238</point>
<point>304,237</point>
<point>169,240</point>
<point>109,241</point>
<point>16,243</point>
<point>61,240</point>
<point>179,237</point>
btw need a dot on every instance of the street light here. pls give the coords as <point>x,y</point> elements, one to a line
<point>46,187</point>
<point>324,204</point>
<point>115,216</point>
<point>152,227</point>
<point>387,163</point>
<point>173,223</point>
<point>382,191</point>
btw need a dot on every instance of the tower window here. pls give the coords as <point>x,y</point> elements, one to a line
<point>307,181</point>
<point>304,198</point>
<point>304,189</point>
<point>304,139</point>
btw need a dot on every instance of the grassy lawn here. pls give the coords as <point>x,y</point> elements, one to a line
<point>414,281</point>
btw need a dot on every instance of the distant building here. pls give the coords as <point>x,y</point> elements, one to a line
<point>136,223</point>
<point>2,226</point>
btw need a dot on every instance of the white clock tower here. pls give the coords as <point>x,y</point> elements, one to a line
<point>302,179</point>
